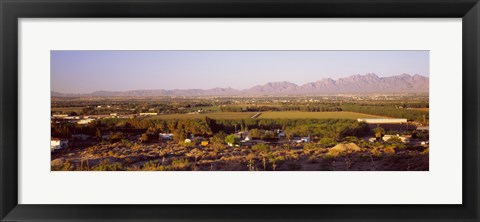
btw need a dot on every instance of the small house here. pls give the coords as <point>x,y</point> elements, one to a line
<point>165,136</point>
<point>306,139</point>
<point>423,128</point>
<point>85,121</point>
<point>148,114</point>
<point>56,144</point>
<point>301,139</point>
<point>60,116</point>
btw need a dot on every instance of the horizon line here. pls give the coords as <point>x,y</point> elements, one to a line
<point>229,87</point>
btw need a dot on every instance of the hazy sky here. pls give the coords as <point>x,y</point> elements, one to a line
<point>88,71</point>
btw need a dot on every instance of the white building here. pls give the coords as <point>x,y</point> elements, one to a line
<point>280,133</point>
<point>148,114</point>
<point>306,139</point>
<point>85,121</point>
<point>165,136</point>
<point>72,117</point>
<point>423,128</point>
<point>59,115</point>
<point>56,144</point>
<point>301,140</point>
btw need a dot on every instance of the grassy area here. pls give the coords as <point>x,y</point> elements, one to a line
<point>269,115</point>
<point>422,109</point>
<point>314,115</point>
<point>213,115</point>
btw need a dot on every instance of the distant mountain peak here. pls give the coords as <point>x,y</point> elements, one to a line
<point>368,83</point>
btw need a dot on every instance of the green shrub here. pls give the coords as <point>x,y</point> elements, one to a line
<point>394,139</point>
<point>117,137</point>
<point>105,165</point>
<point>232,139</point>
<point>389,150</point>
<point>312,159</point>
<point>149,137</point>
<point>327,142</point>
<point>180,164</point>
<point>261,147</point>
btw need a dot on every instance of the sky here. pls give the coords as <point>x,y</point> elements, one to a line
<point>88,71</point>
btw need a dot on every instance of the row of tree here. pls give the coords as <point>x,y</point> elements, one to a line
<point>388,110</point>
<point>303,108</point>
<point>183,128</point>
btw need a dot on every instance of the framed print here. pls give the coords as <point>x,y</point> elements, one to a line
<point>269,110</point>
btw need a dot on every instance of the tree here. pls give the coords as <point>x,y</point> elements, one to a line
<point>117,137</point>
<point>149,137</point>
<point>153,130</point>
<point>61,130</point>
<point>162,126</point>
<point>180,135</point>
<point>251,161</point>
<point>379,132</point>
<point>218,140</point>
<point>351,139</point>
<point>262,149</point>
<point>196,153</point>
<point>257,133</point>
<point>211,125</point>
<point>310,146</point>
<point>172,125</point>
<point>394,139</point>
<point>289,134</point>
<point>98,134</point>
<point>232,140</point>
<point>389,150</point>
<point>326,142</point>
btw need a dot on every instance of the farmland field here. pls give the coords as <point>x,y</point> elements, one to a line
<point>67,109</point>
<point>314,115</point>
<point>269,115</point>
<point>422,109</point>
<point>213,115</point>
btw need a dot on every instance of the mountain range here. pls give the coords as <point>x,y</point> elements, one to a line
<point>368,83</point>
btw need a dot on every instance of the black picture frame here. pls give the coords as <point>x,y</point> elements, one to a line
<point>12,10</point>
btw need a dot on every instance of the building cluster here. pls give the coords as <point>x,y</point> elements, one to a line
<point>244,137</point>
<point>86,119</point>
<point>57,144</point>
<point>396,124</point>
